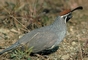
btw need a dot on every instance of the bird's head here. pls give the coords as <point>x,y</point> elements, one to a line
<point>67,14</point>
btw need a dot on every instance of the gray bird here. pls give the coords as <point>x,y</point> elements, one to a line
<point>46,37</point>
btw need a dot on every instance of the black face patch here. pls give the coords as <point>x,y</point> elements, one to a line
<point>69,16</point>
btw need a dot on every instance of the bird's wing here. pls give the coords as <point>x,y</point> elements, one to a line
<point>39,40</point>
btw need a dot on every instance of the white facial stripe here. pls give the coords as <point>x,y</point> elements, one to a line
<point>63,17</point>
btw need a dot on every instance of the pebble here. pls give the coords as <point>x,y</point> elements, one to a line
<point>73,43</point>
<point>65,57</point>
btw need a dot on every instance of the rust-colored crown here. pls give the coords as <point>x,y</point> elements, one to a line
<point>65,12</point>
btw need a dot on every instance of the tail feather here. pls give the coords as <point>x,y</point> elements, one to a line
<point>10,48</point>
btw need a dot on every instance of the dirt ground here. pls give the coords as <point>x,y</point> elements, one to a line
<point>73,47</point>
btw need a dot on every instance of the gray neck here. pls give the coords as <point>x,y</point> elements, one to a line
<point>59,23</point>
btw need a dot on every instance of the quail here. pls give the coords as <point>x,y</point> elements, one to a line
<point>46,37</point>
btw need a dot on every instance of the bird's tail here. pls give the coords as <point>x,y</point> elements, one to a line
<point>10,48</point>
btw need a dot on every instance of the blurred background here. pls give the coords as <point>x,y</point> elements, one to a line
<point>18,17</point>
